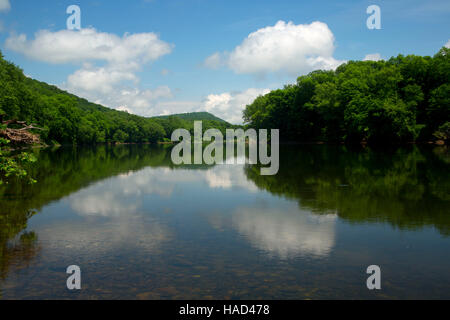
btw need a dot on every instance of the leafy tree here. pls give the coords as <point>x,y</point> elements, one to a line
<point>69,119</point>
<point>12,167</point>
<point>120,136</point>
<point>396,101</point>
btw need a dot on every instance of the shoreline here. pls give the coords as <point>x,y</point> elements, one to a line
<point>440,143</point>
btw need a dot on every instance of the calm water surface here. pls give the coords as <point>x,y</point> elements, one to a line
<point>142,228</point>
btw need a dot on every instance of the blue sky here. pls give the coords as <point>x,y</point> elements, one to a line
<point>181,55</point>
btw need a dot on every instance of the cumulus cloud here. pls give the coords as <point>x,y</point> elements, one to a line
<point>143,98</point>
<point>105,86</point>
<point>230,106</point>
<point>88,44</point>
<point>113,95</point>
<point>110,83</point>
<point>373,57</point>
<point>447,45</point>
<point>124,109</point>
<point>101,80</point>
<point>284,47</point>
<point>4,5</point>
<point>166,108</point>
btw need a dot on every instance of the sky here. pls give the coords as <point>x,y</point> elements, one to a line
<point>159,57</point>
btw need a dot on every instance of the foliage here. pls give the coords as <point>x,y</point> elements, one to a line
<point>443,133</point>
<point>195,116</point>
<point>69,119</point>
<point>11,167</point>
<point>400,100</point>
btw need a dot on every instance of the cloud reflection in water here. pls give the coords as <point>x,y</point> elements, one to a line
<point>286,232</point>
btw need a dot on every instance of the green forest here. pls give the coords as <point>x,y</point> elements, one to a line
<point>404,99</point>
<point>64,118</point>
<point>68,119</point>
<point>195,116</point>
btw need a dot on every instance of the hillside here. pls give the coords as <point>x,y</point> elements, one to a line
<point>194,116</point>
<point>68,119</point>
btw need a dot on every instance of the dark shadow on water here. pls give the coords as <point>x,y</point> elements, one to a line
<point>406,187</point>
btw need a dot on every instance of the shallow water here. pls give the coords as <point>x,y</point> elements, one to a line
<point>142,228</point>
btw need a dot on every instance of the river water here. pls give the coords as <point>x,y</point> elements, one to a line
<point>140,227</point>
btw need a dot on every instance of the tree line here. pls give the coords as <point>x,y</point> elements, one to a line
<point>68,119</point>
<point>404,99</point>
<point>63,118</point>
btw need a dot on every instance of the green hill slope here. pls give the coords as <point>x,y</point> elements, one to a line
<point>68,119</point>
<point>194,116</point>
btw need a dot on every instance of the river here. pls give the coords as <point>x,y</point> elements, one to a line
<point>140,227</point>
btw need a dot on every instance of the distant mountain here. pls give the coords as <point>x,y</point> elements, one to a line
<point>195,116</point>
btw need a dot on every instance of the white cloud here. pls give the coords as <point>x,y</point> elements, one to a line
<point>4,5</point>
<point>89,45</point>
<point>141,101</point>
<point>447,45</point>
<point>165,108</point>
<point>109,84</point>
<point>111,93</point>
<point>230,106</point>
<point>284,47</point>
<point>101,80</point>
<point>124,109</point>
<point>133,100</point>
<point>373,57</point>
